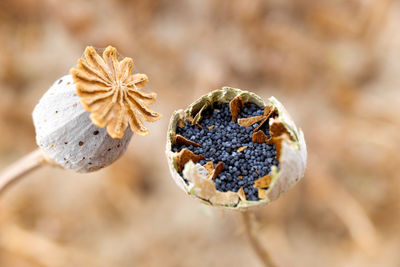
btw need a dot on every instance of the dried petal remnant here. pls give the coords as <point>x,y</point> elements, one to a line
<point>236,105</point>
<point>240,149</point>
<point>213,172</point>
<point>180,140</point>
<point>263,182</point>
<point>218,169</point>
<point>110,91</point>
<point>259,137</point>
<point>242,194</point>
<point>262,193</point>
<point>181,123</point>
<point>186,155</point>
<point>246,122</point>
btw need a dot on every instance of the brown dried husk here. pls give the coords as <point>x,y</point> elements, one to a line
<point>291,145</point>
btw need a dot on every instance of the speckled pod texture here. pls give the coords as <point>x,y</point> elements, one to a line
<point>65,133</point>
<point>292,159</point>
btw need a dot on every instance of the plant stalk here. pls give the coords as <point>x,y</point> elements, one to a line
<point>261,252</point>
<point>20,168</point>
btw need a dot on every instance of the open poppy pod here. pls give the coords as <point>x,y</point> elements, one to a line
<point>231,149</point>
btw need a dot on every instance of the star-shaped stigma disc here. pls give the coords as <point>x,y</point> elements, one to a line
<point>111,93</point>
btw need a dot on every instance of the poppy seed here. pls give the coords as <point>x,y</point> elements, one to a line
<point>223,144</point>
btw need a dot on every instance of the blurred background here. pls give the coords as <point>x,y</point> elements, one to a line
<point>334,64</point>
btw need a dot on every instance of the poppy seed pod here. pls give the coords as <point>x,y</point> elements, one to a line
<point>86,120</point>
<point>82,121</point>
<point>231,149</point>
<point>66,134</point>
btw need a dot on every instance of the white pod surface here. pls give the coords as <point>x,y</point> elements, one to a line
<point>66,134</point>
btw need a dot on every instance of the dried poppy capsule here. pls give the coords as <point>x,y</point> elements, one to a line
<point>82,121</point>
<point>231,149</point>
<point>65,133</point>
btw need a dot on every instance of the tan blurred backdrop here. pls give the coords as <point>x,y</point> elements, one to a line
<point>334,64</point>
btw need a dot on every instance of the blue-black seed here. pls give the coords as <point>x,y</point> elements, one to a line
<point>221,142</point>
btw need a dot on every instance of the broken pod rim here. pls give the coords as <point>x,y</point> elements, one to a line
<point>231,149</point>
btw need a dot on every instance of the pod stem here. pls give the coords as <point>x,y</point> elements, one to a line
<point>261,252</point>
<point>20,168</point>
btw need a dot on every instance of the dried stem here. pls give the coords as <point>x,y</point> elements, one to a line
<point>261,252</point>
<point>18,169</point>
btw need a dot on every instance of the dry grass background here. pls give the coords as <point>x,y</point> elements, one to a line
<point>334,64</point>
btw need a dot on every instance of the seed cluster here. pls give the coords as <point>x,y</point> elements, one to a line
<point>220,139</point>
